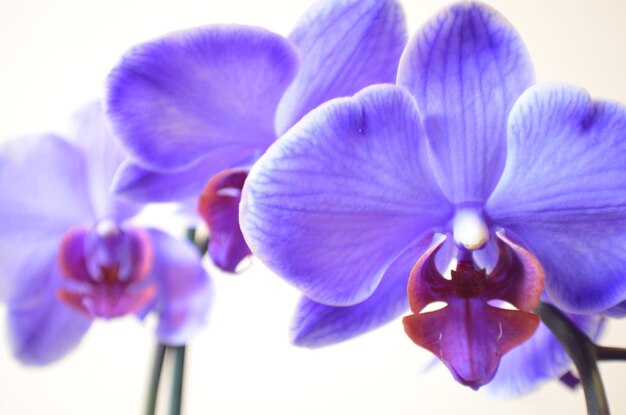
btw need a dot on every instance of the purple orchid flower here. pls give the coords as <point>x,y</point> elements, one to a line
<point>455,163</point>
<point>195,109</point>
<point>70,254</point>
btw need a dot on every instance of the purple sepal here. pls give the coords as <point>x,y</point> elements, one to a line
<point>184,290</point>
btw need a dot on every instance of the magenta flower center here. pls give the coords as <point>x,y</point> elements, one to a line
<point>106,269</point>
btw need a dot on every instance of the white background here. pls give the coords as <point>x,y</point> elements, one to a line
<point>54,57</point>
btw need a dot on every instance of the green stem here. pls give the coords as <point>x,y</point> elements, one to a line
<point>176,398</point>
<point>153,390</point>
<point>584,354</point>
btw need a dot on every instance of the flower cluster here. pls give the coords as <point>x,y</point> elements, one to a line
<point>375,174</point>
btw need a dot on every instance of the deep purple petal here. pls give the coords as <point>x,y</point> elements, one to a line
<point>41,328</point>
<point>563,193</point>
<point>470,336</point>
<point>103,157</point>
<point>317,325</point>
<point>183,288</point>
<point>466,68</point>
<point>346,45</point>
<point>176,98</point>
<point>43,193</point>
<point>219,207</point>
<point>540,359</point>
<point>335,200</point>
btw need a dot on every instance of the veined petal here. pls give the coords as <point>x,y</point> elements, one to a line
<point>332,204</point>
<point>563,193</point>
<point>466,68</point>
<point>184,291</point>
<point>43,193</point>
<point>41,328</point>
<point>103,157</point>
<point>176,98</point>
<point>317,325</point>
<point>346,45</point>
<point>538,360</point>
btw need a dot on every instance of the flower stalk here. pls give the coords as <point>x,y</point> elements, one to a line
<point>585,355</point>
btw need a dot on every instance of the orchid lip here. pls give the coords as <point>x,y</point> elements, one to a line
<point>106,269</point>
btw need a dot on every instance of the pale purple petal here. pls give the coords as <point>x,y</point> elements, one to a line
<point>184,289</point>
<point>144,185</point>
<point>176,98</point>
<point>538,360</point>
<point>346,45</point>
<point>103,156</point>
<point>466,68</point>
<point>563,193</point>
<point>332,204</point>
<point>317,325</point>
<point>41,328</point>
<point>43,193</point>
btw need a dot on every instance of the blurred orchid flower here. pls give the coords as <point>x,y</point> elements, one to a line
<point>462,163</point>
<point>70,254</point>
<point>196,108</point>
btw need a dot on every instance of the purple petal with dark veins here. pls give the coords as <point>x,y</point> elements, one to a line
<point>174,99</point>
<point>466,67</point>
<point>219,207</point>
<point>184,290</point>
<point>346,45</point>
<point>317,325</point>
<point>563,193</point>
<point>43,193</point>
<point>334,201</point>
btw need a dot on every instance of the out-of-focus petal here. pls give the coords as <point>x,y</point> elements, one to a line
<point>43,193</point>
<point>466,68</point>
<point>332,204</point>
<point>41,328</point>
<point>145,185</point>
<point>346,45</point>
<point>219,207</point>
<point>176,98</point>
<point>184,289</point>
<point>103,157</point>
<point>540,359</point>
<point>563,193</point>
<point>317,325</point>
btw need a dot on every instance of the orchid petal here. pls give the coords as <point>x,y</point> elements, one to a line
<point>466,68</point>
<point>42,194</point>
<point>563,194</point>
<point>317,325</point>
<point>144,185</point>
<point>470,336</point>
<point>540,359</point>
<point>184,289</point>
<point>176,98</point>
<point>219,207</point>
<point>41,328</point>
<point>103,157</point>
<point>346,45</point>
<point>329,208</point>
